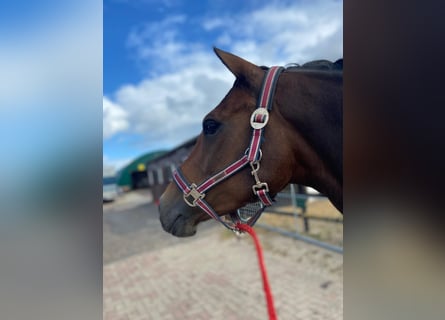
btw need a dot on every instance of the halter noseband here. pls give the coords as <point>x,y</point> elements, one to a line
<point>194,194</point>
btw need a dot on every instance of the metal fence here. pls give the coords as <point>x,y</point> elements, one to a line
<point>298,201</point>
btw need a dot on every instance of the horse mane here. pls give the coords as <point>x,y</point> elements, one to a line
<point>314,65</point>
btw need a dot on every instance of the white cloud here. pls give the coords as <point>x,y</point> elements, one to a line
<point>210,24</point>
<point>276,33</point>
<point>114,118</point>
<point>169,109</point>
<point>158,42</point>
<point>279,34</point>
<point>186,80</point>
<point>108,168</point>
<point>111,166</point>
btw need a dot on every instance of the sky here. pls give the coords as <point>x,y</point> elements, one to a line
<point>161,76</point>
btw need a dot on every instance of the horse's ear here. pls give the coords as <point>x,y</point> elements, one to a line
<point>238,66</point>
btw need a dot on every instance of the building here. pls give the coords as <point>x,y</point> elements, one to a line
<point>159,169</point>
<point>134,175</point>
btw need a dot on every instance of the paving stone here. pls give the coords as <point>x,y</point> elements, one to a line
<point>215,275</point>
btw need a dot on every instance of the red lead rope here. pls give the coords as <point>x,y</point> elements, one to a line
<point>267,290</point>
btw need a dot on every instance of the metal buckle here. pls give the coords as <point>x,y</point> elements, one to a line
<point>259,125</point>
<point>195,194</point>
<point>260,186</point>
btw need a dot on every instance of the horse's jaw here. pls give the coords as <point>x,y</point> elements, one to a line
<point>331,187</point>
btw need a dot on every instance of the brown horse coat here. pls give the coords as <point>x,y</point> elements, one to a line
<point>302,141</point>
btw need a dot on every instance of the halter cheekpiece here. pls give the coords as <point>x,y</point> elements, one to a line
<point>194,194</point>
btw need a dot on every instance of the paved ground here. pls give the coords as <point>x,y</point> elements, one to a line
<point>149,274</point>
<point>131,226</point>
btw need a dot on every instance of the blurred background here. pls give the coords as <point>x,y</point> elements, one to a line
<point>51,150</point>
<point>80,82</point>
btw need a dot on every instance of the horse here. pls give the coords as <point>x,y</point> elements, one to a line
<point>301,144</point>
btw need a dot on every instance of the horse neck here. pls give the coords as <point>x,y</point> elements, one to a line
<point>312,103</point>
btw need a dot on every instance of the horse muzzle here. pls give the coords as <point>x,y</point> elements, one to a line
<point>175,217</point>
<point>177,225</point>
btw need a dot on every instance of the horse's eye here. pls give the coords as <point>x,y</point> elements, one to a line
<point>210,126</point>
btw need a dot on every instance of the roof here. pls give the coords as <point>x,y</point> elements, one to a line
<point>124,175</point>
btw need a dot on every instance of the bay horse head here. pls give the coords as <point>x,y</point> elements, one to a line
<point>237,159</point>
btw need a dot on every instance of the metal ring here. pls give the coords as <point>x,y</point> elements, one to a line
<point>194,193</point>
<point>262,112</point>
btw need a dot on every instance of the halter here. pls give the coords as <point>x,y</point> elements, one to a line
<point>194,194</point>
